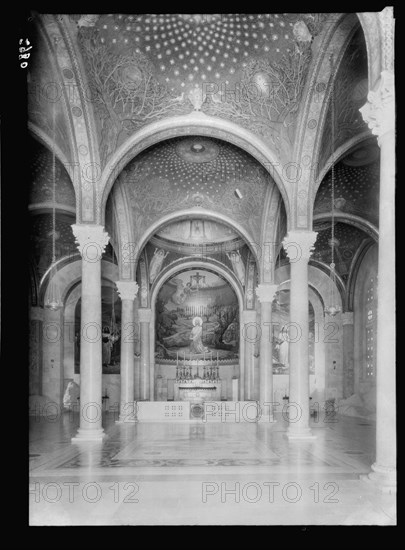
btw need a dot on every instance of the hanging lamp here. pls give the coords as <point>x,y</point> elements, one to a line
<point>332,308</point>
<point>53,300</point>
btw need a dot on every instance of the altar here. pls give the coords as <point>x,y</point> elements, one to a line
<point>197,390</point>
<point>197,381</point>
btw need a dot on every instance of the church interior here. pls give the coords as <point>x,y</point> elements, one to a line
<point>212,269</point>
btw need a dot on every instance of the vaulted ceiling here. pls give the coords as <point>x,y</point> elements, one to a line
<point>189,172</point>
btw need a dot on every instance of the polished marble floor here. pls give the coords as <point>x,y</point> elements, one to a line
<point>205,473</point>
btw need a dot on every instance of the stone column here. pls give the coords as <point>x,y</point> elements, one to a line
<point>298,246</point>
<point>145,316</point>
<point>379,113</point>
<point>265,293</point>
<point>36,316</point>
<point>91,241</point>
<point>127,291</point>
<point>348,353</point>
<point>137,351</point>
<point>250,334</point>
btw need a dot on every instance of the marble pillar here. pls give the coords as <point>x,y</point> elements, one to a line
<point>298,246</point>
<point>145,316</point>
<point>36,316</point>
<point>250,335</point>
<point>265,293</point>
<point>91,241</point>
<point>137,351</point>
<point>379,113</point>
<point>348,353</point>
<point>127,291</point>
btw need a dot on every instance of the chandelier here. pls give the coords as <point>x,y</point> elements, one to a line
<point>197,281</point>
<point>332,308</point>
<point>53,300</point>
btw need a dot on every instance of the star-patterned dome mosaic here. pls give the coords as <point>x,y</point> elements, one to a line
<point>188,172</point>
<point>193,165</point>
<point>200,47</point>
<point>357,179</point>
<point>347,238</point>
<point>41,172</point>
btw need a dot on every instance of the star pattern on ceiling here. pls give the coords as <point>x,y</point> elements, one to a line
<point>186,48</point>
<point>41,173</point>
<point>356,190</point>
<point>348,240</point>
<point>174,161</point>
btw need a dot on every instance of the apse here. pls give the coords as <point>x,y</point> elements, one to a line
<point>197,298</point>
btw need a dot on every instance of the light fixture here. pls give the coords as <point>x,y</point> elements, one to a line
<point>53,300</point>
<point>332,308</point>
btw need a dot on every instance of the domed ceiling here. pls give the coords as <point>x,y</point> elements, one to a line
<point>349,94</point>
<point>190,172</point>
<point>41,171</point>
<point>149,66</point>
<point>206,278</point>
<point>357,179</point>
<point>195,236</point>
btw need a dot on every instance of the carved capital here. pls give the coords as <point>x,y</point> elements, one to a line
<point>91,241</point>
<point>379,111</point>
<point>266,292</point>
<point>347,318</point>
<point>127,289</point>
<point>144,315</point>
<point>299,245</point>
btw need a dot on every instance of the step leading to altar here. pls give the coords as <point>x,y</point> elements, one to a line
<point>203,411</point>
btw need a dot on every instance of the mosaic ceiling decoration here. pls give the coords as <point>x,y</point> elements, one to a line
<point>247,68</point>
<point>197,237</point>
<point>65,247</point>
<point>41,172</point>
<point>41,239</point>
<point>348,240</point>
<point>192,172</point>
<point>349,93</point>
<point>44,96</point>
<point>357,179</point>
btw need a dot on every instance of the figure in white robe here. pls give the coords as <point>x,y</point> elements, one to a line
<point>156,264</point>
<point>237,265</point>
<point>284,348</point>
<point>197,345</point>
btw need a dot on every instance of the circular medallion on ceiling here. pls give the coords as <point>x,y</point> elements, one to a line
<point>130,76</point>
<point>366,154</point>
<point>197,150</point>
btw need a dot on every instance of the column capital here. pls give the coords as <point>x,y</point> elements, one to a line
<point>127,289</point>
<point>347,318</point>
<point>379,111</point>
<point>266,292</point>
<point>144,315</point>
<point>91,240</point>
<point>299,244</point>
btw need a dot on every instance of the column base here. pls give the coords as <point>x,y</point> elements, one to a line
<point>125,419</point>
<point>300,434</point>
<point>89,435</point>
<point>383,478</point>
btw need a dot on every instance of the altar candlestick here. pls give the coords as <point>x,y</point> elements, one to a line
<point>177,363</point>
<point>217,358</point>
